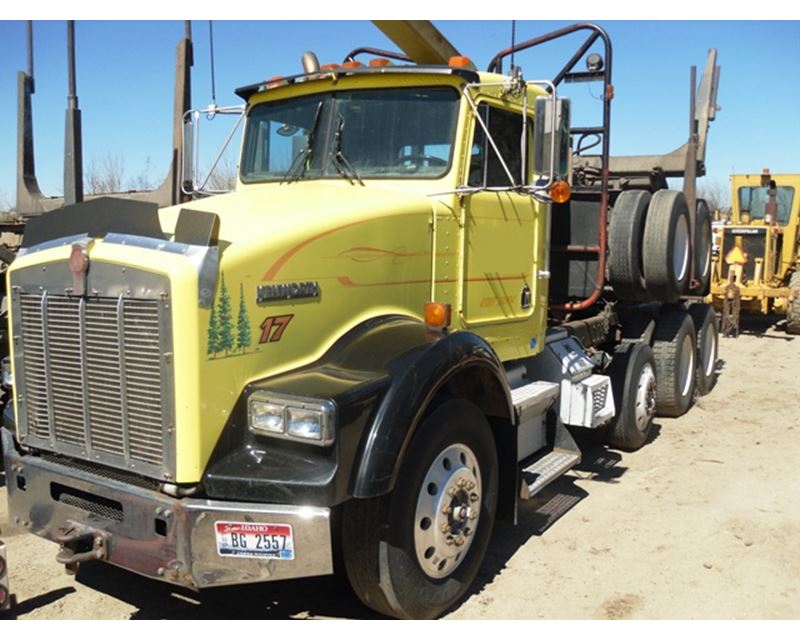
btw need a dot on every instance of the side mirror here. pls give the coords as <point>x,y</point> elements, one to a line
<point>194,181</point>
<point>552,152</point>
<point>191,131</point>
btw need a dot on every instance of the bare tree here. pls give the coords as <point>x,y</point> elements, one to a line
<point>715,194</point>
<point>224,176</point>
<point>145,181</point>
<point>107,175</point>
<point>5,203</point>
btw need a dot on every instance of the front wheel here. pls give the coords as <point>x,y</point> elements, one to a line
<point>415,552</point>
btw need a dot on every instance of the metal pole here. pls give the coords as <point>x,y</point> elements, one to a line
<point>73,155</point>
<point>30,51</point>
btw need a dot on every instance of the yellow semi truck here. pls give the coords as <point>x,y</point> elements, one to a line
<point>756,267</point>
<point>379,343</point>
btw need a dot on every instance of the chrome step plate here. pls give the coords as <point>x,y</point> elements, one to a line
<point>546,469</point>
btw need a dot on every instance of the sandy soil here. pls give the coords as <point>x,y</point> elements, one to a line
<point>701,523</point>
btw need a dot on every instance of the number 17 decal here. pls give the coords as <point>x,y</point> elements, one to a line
<point>273,327</point>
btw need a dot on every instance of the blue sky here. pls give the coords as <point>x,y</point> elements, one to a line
<point>125,73</point>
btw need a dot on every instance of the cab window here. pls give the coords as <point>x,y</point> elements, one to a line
<point>505,127</point>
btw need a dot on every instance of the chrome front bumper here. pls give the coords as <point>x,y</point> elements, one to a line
<point>153,534</point>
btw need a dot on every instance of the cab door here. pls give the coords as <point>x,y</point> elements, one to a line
<point>504,238</point>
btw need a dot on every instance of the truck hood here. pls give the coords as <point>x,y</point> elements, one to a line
<point>276,214</point>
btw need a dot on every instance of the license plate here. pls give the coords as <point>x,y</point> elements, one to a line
<point>255,540</point>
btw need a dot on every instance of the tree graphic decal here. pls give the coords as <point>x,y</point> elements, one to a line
<point>226,338</point>
<point>213,333</point>
<point>243,339</point>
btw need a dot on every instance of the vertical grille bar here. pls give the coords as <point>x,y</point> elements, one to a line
<point>87,414</point>
<point>48,382</point>
<point>123,387</point>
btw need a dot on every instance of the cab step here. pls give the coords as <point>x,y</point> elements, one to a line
<point>545,470</point>
<point>534,398</point>
<point>542,471</point>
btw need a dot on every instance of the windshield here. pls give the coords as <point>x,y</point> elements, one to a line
<point>756,202</point>
<point>376,133</point>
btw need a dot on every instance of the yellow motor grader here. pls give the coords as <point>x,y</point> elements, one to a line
<point>755,266</point>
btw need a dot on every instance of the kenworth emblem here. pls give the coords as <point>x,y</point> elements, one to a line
<point>287,291</point>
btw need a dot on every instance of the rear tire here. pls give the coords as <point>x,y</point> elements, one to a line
<point>707,337</point>
<point>675,352</point>
<point>633,382</point>
<point>625,235</point>
<point>399,559</point>
<point>667,250</point>
<point>793,307</point>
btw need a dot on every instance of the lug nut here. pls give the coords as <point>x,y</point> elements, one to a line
<point>450,541</point>
<point>445,528</point>
<point>462,483</point>
<point>447,511</point>
<point>459,541</point>
<point>452,492</point>
<point>473,515</point>
<point>470,485</point>
<point>473,497</point>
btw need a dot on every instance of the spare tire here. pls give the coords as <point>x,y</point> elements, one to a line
<point>702,249</point>
<point>667,246</point>
<point>625,234</point>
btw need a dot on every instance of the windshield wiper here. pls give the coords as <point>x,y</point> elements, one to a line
<point>341,163</point>
<point>300,162</point>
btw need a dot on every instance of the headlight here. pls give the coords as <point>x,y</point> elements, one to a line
<point>307,419</point>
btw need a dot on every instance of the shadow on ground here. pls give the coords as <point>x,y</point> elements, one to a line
<point>772,327</point>
<point>328,596</point>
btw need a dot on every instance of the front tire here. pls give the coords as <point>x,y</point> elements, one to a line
<point>793,306</point>
<point>414,552</point>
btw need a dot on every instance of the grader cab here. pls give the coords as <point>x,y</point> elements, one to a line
<point>756,267</point>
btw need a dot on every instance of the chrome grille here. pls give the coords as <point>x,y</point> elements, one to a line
<point>94,380</point>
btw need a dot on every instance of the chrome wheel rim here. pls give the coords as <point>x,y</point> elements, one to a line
<point>680,249</point>
<point>709,350</point>
<point>645,397</point>
<point>686,367</point>
<point>448,511</point>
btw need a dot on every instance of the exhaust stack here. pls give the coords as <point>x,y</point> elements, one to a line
<point>73,146</point>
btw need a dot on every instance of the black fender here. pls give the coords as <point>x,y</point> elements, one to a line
<point>382,376</point>
<point>416,377</point>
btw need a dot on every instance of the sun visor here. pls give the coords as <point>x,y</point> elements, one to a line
<point>95,218</point>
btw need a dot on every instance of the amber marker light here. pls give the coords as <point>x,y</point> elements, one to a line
<point>352,64</point>
<point>380,62</point>
<point>560,192</point>
<point>437,315</point>
<point>459,61</point>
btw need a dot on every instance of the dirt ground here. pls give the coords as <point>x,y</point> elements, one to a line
<point>701,523</point>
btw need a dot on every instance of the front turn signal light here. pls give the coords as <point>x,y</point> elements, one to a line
<point>437,315</point>
<point>560,192</point>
